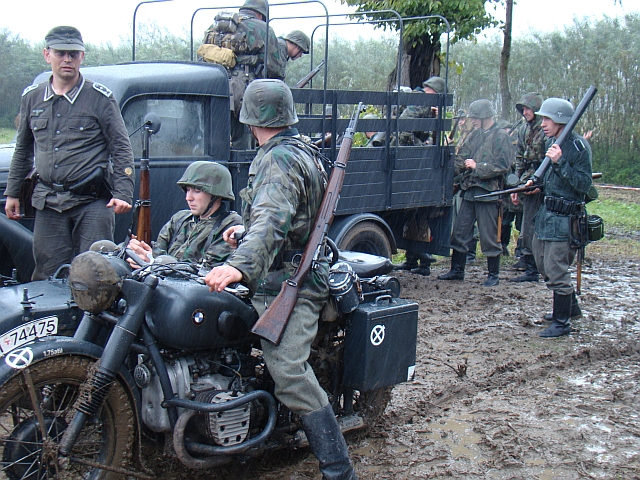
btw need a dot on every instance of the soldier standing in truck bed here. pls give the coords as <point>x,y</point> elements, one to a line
<point>293,45</point>
<point>82,154</point>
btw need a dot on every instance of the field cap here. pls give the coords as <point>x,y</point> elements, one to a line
<point>64,38</point>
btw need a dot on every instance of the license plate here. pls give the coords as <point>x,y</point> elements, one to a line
<point>28,332</point>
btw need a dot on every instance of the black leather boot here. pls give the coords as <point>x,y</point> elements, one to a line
<point>493,264</point>
<point>531,271</point>
<point>328,445</point>
<point>575,309</point>
<point>426,259</point>
<point>410,261</point>
<point>458,262</point>
<point>561,324</point>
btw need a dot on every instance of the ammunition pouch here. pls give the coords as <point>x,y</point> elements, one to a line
<point>561,206</point>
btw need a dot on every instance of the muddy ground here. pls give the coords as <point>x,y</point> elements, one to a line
<point>490,398</point>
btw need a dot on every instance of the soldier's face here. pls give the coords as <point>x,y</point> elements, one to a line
<point>528,114</point>
<point>551,128</point>
<point>198,201</point>
<point>294,51</point>
<point>64,64</point>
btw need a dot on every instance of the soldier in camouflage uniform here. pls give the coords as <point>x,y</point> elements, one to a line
<point>529,154</point>
<point>284,192</point>
<point>195,235</point>
<point>293,45</point>
<point>484,159</point>
<point>565,185</point>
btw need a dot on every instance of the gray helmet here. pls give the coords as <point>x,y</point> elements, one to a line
<point>300,39</point>
<point>260,6</point>
<point>94,282</point>
<point>436,83</point>
<point>210,177</point>
<point>557,109</point>
<point>529,100</point>
<point>268,103</point>
<point>481,109</point>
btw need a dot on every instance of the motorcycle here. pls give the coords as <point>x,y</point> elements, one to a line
<point>156,355</point>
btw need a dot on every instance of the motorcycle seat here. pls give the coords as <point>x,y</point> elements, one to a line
<point>366,265</point>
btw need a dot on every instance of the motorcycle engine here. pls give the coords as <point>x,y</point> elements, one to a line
<point>193,378</point>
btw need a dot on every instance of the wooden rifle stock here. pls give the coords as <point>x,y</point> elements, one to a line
<point>309,76</point>
<point>272,323</point>
<point>143,231</point>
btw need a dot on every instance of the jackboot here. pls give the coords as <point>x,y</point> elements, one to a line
<point>493,264</point>
<point>410,261</point>
<point>520,264</point>
<point>328,445</point>
<point>505,238</point>
<point>423,269</point>
<point>531,271</point>
<point>458,262</point>
<point>561,324</point>
<point>576,313</point>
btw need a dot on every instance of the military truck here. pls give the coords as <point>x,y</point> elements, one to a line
<point>393,196</point>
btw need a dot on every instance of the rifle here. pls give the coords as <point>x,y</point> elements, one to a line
<point>524,188</point>
<point>307,78</point>
<point>546,163</point>
<point>151,125</point>
<point>272,323</point>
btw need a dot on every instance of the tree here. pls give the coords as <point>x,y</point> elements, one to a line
<point>505,93</point>
<point>422,46</point>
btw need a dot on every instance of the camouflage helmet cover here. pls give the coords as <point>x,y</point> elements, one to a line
<point>481,109</point>
<point>436,83</point>
<point>210,177</point>
<point>94,282</point>
<point>557,109</point>
<point>530,100</point>
<point>300,39</point>
<point>268,103</point>
<point>260,6</point>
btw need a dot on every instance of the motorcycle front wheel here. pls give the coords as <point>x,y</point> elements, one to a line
<point>106,440</point>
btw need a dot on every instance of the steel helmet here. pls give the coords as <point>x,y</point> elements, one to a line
<point>210,177</point>
<point>481,109</point>
<point>557,109</point>
<point>268,103</point>
<point>437,83</point>
<point>529,100</point>
<point>260,6</point>
<point>94,282</point>
<point>300,39</point>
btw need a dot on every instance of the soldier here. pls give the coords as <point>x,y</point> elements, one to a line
<point>565,185</point>
<point>195,235</point>
<point>285,189</point>
<point>293,45</point>
<point>485,158</point>
<point>374,139</point>
<point>529,154</point>
<point>82,154</point>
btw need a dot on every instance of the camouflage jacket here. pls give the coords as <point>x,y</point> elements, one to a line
<point>199,241</point>
<point>569,179</point>
<point>492,151</point>
<point>280,203</point>
<point>416,138</point>
<point>531,149</point>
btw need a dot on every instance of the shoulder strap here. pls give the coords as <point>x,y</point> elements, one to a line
<point>221,217</point>
<point>177,230</point>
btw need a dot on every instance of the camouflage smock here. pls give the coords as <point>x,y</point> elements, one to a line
<point>190,236</point>
<point>569,179</point>
<point>256,32</point>
<point>531,149</point>
<point>281,200</point>
<point>416,138</point>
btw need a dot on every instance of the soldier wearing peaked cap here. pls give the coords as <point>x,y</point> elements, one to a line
<point>83,157</point>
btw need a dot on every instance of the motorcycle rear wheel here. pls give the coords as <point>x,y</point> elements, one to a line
<point>107,440</point>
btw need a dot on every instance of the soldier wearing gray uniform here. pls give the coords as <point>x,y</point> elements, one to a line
<point>529,156</point>
<point>195,235</point>
<point>282,198</point>
<point>484,159</point>
<point>565,185</point>
<point>74,129</point>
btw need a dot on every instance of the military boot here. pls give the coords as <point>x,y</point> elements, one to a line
<point>458,261</point>
<point>531,271</point>
<point>426,259</point>
<point>505,238</point>
<point>576,313</point>
<point>561,323</point>
<point>410,261</point>
<point>493,264</point>
<point>328,445</point>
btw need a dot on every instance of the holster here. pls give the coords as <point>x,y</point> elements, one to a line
<point>26,192</point>
<point>579,227</point>
<point>94,185</point>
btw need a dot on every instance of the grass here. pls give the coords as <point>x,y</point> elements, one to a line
<point>6,135</point>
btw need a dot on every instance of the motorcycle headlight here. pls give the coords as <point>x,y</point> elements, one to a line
<point>94,282</point>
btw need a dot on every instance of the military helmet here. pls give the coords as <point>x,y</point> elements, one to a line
<point>268,103</point>
<point>94,282</point>
<point>557,109</point>
<point>260,6</point>
<point>529,100</point>
<point>437,83</point>
<point>300,39</point>
<point>210,177</point>
<point>481,109</point>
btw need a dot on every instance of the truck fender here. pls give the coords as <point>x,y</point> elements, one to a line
<point>364,232</point>
<point>17,241</point>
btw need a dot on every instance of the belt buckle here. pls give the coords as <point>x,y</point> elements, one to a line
<point>58,187</point>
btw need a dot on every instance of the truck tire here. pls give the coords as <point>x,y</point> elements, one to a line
<point>367,237</point>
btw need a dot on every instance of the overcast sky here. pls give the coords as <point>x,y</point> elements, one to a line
<point>105,21</point>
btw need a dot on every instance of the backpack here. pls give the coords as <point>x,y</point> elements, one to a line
<point>225,33</point>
